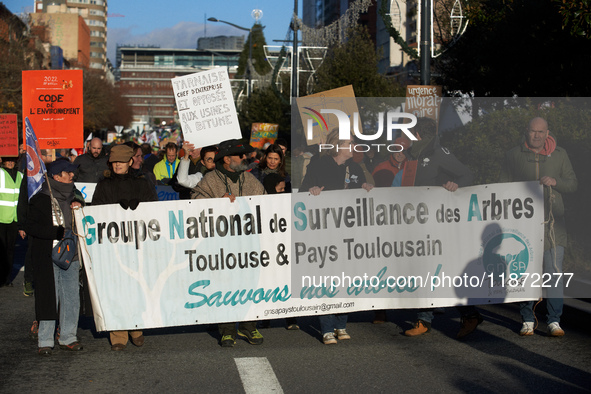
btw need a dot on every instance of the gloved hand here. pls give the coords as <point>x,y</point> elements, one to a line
<point>60,232</point>
<point>133,203</point>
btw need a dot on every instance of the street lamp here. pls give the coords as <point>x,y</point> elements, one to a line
<point>219,54</point>
<point>212,19</point>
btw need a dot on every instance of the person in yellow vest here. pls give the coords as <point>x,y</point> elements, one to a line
<point>165,169</point>
<point>10,183</point>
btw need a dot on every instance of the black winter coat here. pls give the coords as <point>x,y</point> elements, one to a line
<point>124,189</point>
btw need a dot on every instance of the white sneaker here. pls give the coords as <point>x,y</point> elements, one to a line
<point>329,339</point>
<point>342,334</point>
<point>554,330</point>
<point>527,329</point>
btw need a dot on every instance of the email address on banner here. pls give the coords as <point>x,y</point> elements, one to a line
<point>324,307</point>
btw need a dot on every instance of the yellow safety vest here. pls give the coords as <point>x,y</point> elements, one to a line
<point>9,191</point>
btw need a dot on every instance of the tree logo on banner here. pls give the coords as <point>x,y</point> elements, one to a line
<point>506,253</point>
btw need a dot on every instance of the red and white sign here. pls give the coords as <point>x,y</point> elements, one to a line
<point>53,102</point>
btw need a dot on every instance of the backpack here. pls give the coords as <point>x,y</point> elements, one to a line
<point>63,253</point>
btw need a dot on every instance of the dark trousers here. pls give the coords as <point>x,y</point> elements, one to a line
<point>230,328</point>
<point>8,234</point>
<point>29,261</point>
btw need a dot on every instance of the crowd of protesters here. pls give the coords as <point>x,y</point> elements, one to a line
<point>128,174</point>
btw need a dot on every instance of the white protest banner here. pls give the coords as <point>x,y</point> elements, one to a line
<point>208,261</point>
<point>424,246</point>
<point>206,107</point>
<point>87,190</point>
<point>185,262</point>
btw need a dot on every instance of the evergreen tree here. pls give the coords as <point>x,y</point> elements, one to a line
<point>355,62</point>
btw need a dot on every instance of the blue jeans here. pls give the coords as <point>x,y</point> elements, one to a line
<point>553,294</point>
<point>466,311</point>
<point>68,302</point>
<point>328,323</point>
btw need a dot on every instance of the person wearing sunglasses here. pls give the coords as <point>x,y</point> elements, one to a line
<point>229,179</point>
<point>187,178</point>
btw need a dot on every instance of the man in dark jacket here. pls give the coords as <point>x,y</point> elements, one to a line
<point>430,164</point>
<point>92,164</point>
<point>539,158</point>
<point>122,187</point>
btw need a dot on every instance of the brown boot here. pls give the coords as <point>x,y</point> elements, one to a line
<point>379,317</point>
<point>420,328</point>
<point>138,341</point>
<point>469,324</point>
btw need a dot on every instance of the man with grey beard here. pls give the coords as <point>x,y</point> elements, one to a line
<point>230,180</point>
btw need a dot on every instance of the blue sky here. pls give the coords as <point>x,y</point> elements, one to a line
<point>179,23</point>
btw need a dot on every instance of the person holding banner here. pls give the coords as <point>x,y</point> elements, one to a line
<point>10,183</point>
<point>56,289</point>
<point>184,180</point>
<point>430,164</point>
<point>384,172</point>
<point>334,170</point>
<point>230,179</point>
<point>122,187</point>
<point>540,158</point>
<point>137,168</point>
<point>273,162</point>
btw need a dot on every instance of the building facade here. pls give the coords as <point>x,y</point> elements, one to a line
<point>145,75</point>
<point>94,13</point>
<point>221,42</point>
<point>404,16</point>
<point>70,33</point>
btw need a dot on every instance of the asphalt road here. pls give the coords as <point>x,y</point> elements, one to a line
<point>377,359</point>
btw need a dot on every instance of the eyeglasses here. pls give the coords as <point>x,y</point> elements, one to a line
<point>208,160</point>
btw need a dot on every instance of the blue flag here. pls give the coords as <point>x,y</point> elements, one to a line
<point>35,166</point>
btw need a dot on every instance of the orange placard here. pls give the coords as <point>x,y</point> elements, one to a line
<point>8,135</point>
<point>261,133</point>
<point>52,100</point>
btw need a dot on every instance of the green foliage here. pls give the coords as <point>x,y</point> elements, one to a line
<point>576,16</point>
<point>264,106</point>
<point>355,63</point>
<point>259,61</point>
<point>517,47</point>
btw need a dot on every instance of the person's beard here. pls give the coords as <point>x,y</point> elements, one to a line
<point>242,166</point>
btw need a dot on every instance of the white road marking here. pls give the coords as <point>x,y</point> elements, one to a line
<point>257,375</point>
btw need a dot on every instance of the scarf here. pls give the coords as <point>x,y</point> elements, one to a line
<point>549,146</point>
<point>234,176</point>
<point>64,195</point>
<point>268,171</point>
